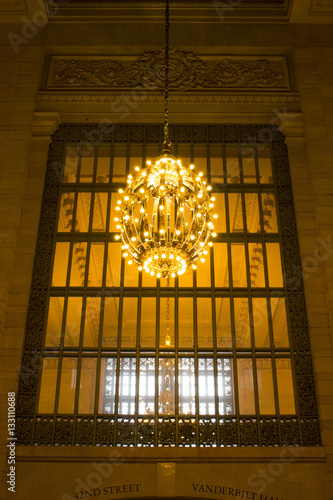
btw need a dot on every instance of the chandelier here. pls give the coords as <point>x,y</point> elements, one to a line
<point>165,215</point>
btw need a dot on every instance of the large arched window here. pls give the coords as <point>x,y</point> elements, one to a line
<point>220,357</point>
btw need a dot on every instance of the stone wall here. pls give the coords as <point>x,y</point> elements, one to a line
<point>312,173</point>
<point>24,138</point>
<point>20,197</point>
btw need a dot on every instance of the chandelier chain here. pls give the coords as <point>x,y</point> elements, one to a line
<point>166,142</point>
<point>168,314</point>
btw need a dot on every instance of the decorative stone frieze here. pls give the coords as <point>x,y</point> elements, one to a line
<point>187,72</point>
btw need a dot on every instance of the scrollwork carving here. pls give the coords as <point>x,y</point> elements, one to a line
<point>228,429</point>
<point>64,427</point>
<point>186,72</point>
<point>167,431</point>
<point>105,431</point>
<point>146,432</point>
<point>125,431</point>
<point>269,431</point>
<point>248,432</point>
<point>207,432</point>
<point>187,430</point>
<point>84,431</point>
<point>43,430</point>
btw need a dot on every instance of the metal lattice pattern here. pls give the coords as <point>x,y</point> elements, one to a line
<point>257,219</point>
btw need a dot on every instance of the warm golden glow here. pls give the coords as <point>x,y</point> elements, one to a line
<point>165,218</point>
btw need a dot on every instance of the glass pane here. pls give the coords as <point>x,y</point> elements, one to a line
<point>242,322</point>
<point>148,322</point>
<point>257,271</point>
<point>87,385</point>
<point>99,216</point>
<point>274,265</point>
<point>186,280</point>
<point>260,322</point>
<point>238,265</point>
<point>200,159</point>
<point>71,163</point>
<point>219,209</point>
<point>265,166</point>
<point>78,268</point>
<point>54,321</point>
<point>279,320</point>
<point>87,167</point>
<point>204,322</point>
<point>223,322</point>
<point>48,385</point>
<point>103,164</point>
<point>206,386</point>
<point>60,264</point>
<point>167,337</point>
<point>96,262</point>
<point>166,386</point>
<point>216,163</point>
<point>184,153</point>
<point>249,165</point>
<point>203,270</point>
<point>131,275</point>
<point>135,157</point>
<point>148,281</point>
<point>83,212</point>
<point>119,163</point>
<point>67,385</point>
<point>233,175</point>
<point>185,322</point>
<point>252,213</point>
<point>113,263</point>
<point>186,386</point>
<point>269,213</point>
<point>235,213</point>
<point>128,333</point>
<point>265,387</point>
<point>91,322</point>
<point>73,322</point>
<point>221,269</point>
<point>114,216</point>
<point>66,213</point>
<point>152,151</point>
<point>147,386</point>
<point>107,386</point>
<point>127,386</point>
<point>245,386</point>
<point>224,386</point>
<point>285,386</point>
<point>110,322</point>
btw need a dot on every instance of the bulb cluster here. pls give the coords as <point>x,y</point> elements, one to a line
<point>165,218</point>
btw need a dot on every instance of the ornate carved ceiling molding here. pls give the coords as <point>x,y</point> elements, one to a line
<point>187,72</point>
<point>254,4</point>
<point>208,10</point>
<point>83,97</point>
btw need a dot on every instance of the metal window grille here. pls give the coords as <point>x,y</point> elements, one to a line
<point>237,326</point>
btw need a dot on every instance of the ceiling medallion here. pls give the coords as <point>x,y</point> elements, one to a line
<point>165,214</point>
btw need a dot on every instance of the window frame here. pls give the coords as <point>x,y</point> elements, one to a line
<point>302,429</point>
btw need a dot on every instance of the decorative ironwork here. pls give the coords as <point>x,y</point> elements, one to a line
<point>146,432</point>
<point>153,430</point>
